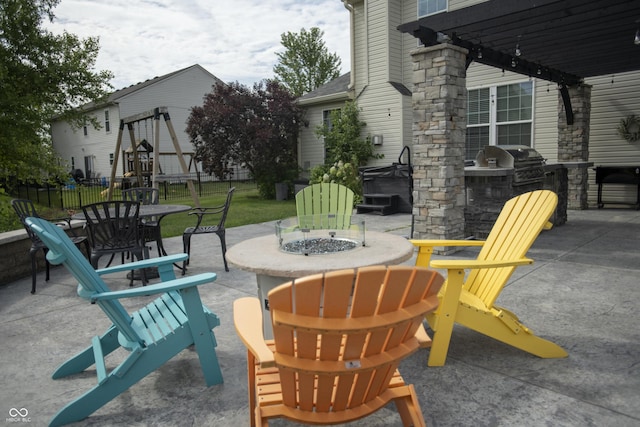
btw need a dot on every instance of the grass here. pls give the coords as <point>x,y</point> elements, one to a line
<point>246,208</point>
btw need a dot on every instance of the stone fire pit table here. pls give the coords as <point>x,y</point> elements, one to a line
<point>272,266</point>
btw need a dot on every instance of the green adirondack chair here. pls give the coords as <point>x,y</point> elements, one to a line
<point>152,335</point>
<point>324,205</point>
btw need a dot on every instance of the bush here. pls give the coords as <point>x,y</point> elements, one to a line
<point>340,173</point>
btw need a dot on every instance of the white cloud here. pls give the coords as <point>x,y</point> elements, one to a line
<point>232,39</point>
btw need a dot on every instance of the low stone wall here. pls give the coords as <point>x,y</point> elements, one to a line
<point>15,262</point>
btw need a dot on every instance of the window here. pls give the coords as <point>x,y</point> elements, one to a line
<point>107,125</point>
<point>429,7</point>
<point>326,118</point>
<point>499,115</point>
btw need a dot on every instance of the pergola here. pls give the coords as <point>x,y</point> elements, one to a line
<point>563,41</point>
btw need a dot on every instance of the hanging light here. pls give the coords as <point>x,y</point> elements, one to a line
<point>636,39</point>
<point>479,53</point>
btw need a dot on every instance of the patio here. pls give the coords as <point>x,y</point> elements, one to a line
<point>581,293</point>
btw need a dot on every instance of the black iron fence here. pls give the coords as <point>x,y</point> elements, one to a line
<point>73,195</point>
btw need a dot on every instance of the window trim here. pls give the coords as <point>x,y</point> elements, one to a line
<point>446,9</point>
<point>493,123</point>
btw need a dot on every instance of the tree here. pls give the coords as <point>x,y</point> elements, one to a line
<point>42,76</point>
<point>346,149</point>
<point>256,128</point>
<point>343,138</point>
<point>306,63</point>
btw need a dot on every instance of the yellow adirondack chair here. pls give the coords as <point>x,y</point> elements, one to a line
<point>471,303</point>
<point>325,205</point>
<point>338,340</point>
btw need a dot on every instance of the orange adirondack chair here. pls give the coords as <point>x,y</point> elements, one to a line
<point>471,303</point>
<point>338,340</point>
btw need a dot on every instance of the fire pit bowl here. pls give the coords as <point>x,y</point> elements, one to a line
<point>319,234</point>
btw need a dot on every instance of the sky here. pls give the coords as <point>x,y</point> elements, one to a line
<point>235,40</point>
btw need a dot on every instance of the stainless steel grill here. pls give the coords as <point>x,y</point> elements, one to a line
<point>527,163</point>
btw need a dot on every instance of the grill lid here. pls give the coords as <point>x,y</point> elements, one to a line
<point>513,156</point>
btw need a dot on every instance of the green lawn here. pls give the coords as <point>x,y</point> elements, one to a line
<point>246,208</point>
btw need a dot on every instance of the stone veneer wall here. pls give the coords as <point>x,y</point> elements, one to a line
<point>439,128</point>
<point>573,143</point>
<point>16,262</point>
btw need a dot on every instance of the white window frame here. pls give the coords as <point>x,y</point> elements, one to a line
<point>107,122</point>
<point>420,15</point>
<point>493,114</point>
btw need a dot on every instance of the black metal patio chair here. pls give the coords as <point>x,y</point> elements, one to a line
<point>25,208</point>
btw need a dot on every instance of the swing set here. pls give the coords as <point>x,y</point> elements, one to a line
<point>138,169</point>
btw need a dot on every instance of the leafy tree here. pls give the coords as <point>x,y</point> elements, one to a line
<point>42,75</point>
<point>306,63</point>
<point>346,149</point>
<point>256,128</point>
<point>343,137</point>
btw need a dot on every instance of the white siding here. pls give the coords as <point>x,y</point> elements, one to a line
<point>99,144</point>
<point>611,102</point>
<point>461,4</point>
<point>311,149</point>
<point>178,92</point>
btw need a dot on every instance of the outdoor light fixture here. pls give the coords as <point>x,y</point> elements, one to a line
<point>636,39</point>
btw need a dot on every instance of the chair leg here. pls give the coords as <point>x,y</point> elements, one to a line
<point>223,245</point>
<point>84,359</point>
<point>103,393</point>
<point>34,272</point>
<point>186,248</point>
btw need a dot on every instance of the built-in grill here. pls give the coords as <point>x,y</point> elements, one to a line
<point>527,163</point>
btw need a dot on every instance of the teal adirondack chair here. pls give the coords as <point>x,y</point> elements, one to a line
<point>152,335</point>
<point>324,205</point>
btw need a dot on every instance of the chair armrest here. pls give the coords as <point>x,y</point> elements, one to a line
<point>158,288</point>
<point>474,264</point>
<point>425,248</point>
<point>145,263</point>
<point>440,243</point>
<point>247,318</point>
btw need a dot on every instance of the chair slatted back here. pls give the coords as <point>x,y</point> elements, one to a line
<point>520,222</point>
<point>113,225</point>
<point>324,205</point>
<point>25,208</point>
<point>351,328</point>
<point>143,195</point>
<point>63,251</point>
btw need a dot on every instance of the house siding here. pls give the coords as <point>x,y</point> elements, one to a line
<point>178,92</point>
<point>382,54</point>
<point>71,143</point>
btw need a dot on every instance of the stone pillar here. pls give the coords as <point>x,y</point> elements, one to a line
<point>439,130</point>
<point>573,143</point>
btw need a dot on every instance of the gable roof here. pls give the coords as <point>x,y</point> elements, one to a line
<point>115,96</point>
<point>335,90</point>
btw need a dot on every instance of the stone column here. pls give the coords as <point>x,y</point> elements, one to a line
<point>439,130</point>
<point>573,143</point>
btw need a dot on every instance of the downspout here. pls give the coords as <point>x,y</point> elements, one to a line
<point>352,41</point>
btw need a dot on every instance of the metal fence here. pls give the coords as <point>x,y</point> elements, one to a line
<point>73,195</point>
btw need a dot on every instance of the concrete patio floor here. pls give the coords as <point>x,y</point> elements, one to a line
<point>582,293</point>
